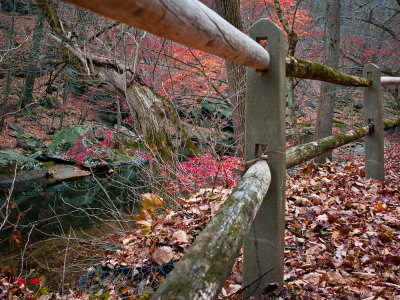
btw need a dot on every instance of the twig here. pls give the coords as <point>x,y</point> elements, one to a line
<point>249,284</point>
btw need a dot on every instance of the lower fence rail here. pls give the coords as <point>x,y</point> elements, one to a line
<point>297,155</point>
<point>202,271</point>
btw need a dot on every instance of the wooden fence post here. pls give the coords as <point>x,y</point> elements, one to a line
<point>265,132</point>
<point>373,116</point>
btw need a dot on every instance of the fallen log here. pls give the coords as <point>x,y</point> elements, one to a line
<point>297,155</point>
<point>202,271</point>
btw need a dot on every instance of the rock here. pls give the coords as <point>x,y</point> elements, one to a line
<point>16,128</point>
<point>88,150</point>
<point>64,172</point>
<point>28,142</point>
<point>28,168</point>
<point>14,134</point>
<point>49,102</point>
<point>9,159</point>
<point>65,139</point>
<point>36,155</point>
<point>25,140</point>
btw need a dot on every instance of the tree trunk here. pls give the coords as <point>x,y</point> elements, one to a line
<point>33,57</point>
<point>326,104</point>
<point>292,43</point>
<point>152,111</point>
<point>230,11</point>
<point>8,84</point>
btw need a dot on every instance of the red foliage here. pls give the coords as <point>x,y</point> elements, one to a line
<point>203,171</point>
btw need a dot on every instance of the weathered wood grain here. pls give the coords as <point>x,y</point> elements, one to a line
<point>386,80</point>
<point>188,22</point>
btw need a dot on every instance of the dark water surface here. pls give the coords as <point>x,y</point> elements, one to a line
<point>47,215</point>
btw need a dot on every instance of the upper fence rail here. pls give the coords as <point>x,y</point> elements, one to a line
<point>193,24</point>
<point>188,22</point>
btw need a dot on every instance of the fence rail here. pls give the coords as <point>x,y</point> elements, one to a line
<point>202,271</point>
<point>253,215</point>
<point>390,81</point>
<point>188,22</point>
<point>299,154</point>
<point>302,68</point>
<point>193,24</point>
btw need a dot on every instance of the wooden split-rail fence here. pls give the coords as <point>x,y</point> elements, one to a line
<point>253,217</point>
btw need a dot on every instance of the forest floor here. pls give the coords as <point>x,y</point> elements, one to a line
<point>342,239</point>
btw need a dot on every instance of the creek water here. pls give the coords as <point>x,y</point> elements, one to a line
<point>45,214</point>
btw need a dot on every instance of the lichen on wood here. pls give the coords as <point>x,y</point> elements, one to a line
<point>302,68</point>
<point>202,271</point>
<point>302,153</point>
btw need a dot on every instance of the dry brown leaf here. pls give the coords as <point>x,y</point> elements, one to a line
<point>215,206</point>
<point>162,255</point>
<point>312,278</point>
<point>181,237</point>
<point>150,201</point>
<point>145,219</point>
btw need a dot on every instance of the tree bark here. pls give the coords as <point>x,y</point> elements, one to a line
<point>230,11</point>
<point>326,104</point>
<point>292,38</point>
<point>33,57</point>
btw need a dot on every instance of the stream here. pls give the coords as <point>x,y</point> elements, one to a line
<point>45,215</point>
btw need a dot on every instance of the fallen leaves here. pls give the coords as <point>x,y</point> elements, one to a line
<point>146,217</point>
<point>343,232</point>
<point>150,201</point>
<point>150,250</point>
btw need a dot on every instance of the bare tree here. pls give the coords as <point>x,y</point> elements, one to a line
<point>33,57</point>
<point>230,11</point>
<point>152,112</point>
<point>326,104</point>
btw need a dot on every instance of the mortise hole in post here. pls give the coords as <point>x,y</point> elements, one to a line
<point>263,41</point>
<point>371,127</point>
<point>260,150</point>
